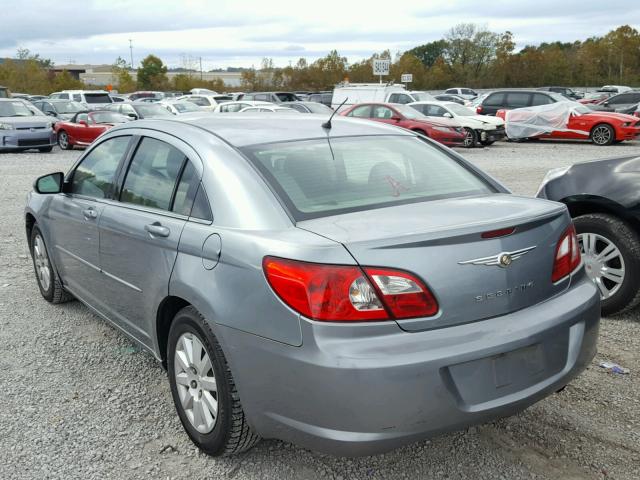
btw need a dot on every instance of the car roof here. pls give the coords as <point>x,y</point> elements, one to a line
<point>243,129</point>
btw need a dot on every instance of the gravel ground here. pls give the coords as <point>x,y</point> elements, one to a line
<point>79,400</point>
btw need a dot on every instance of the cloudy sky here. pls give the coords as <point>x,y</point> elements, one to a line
<point>241,32</point>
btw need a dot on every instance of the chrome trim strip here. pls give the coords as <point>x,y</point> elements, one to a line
<point>494,260</point>
<point>98,269</point>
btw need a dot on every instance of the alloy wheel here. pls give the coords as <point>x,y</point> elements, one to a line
<point>469,137</point>
<point>196,382</point>
<point>63,140</point>
<point>601,135</point>
<point>604,263</point>
<point>41,261</point>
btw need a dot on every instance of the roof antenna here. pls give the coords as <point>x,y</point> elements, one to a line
<point>327,124</point>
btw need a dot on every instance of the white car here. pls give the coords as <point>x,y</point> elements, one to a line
<point>233,107</point>
<point>207,102</point>
<point>178,107</point>
<point>478,128</point>
<point>269,108</point>
<point>462,92</point>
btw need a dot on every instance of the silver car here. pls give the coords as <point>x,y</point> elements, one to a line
<point>346,286</point>
<point>21,128</point>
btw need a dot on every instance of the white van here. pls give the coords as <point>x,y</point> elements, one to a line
<point>355,93</point>
<point>92,99</point>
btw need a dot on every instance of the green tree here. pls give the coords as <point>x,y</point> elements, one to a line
<point>429,52</point>
<point>152,74</point>
<point>123,79</point>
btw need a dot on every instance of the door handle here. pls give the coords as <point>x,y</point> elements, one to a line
<point>156,229</point>
<point>90,213</point>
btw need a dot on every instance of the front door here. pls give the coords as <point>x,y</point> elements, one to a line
<point>139,235</point>
<point>75,214</point>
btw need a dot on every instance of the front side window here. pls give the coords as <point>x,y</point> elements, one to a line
<point>152,174</point>
<point>95,175</point>
<point>317,178</point>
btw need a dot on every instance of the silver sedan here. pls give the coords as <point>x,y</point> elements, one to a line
<point>344,285</point>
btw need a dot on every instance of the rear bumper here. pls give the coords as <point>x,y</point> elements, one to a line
<point>364,389</point>
<point>24,139</point>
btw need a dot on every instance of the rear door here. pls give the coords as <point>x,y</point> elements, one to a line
<point>74,217</point>
<point>139,234</point>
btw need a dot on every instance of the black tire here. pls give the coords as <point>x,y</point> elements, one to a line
<point>602,135</point>
<point>627,241</point>
<point>231,433</point>
<point>52,291</point>
<point>45,149</point>
<point>63,140</point>
<point>470,137</point>
<point>486,143</point>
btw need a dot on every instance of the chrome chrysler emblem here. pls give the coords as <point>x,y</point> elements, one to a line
<point>503,259</point>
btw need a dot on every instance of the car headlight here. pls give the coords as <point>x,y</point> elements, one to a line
<point>552,175</point>
<point>444,129</point>
<point>626,124</point>
<point>6,126</point>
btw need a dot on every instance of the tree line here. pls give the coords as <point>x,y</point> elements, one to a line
<point>468,55</point>
<point>472,56</point>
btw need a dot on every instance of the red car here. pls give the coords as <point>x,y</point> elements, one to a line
<point>85,127</point>
<point>445,131</point>
<point>602,128</point>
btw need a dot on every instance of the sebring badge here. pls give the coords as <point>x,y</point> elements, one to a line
<point>503,259</point>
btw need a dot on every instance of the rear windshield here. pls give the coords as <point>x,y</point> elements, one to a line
<point>97,98</point>
<point>152,110</point>
<point>322,177</point>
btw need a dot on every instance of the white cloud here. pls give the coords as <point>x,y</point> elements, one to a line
<point>239,33</point>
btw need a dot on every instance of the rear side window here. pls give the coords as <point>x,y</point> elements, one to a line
<point>541,99</point>
<point>451,90</point>
<point>201,208</point>
<point>518,99</point>
<point>494,100</point>
<point>363,111</point>
<point>263,97</point>
<point>152,174</point>
<point>317,178</point>
<point>186,191</point>
<point>95,175</point>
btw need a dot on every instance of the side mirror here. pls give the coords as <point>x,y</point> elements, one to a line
<point>51,183</point>
<point>51,113</point>
<point>606,104</point>
<point>396,118</point>
<point>83,122</point>
<point>447,115</point>
<point>132,115</point>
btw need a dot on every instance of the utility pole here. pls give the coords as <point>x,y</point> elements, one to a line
<point>131,52</point>
<point>200,68</point>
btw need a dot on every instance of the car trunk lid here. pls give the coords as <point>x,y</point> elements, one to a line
<point>441,241</point>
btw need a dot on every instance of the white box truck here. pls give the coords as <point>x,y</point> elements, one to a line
<point>355,93</point>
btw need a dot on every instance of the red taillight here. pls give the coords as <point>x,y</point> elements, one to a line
<point>479,109</point>
<point>403,293</point>
<point>346,293</point>
<point>567,256</point>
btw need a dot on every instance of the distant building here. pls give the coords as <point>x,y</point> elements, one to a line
<point>101,75</point>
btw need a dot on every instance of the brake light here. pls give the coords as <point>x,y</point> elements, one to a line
<point>503,232</point>
<point>479,109</point>
<point>567,256</point>
<point>346,293</point>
